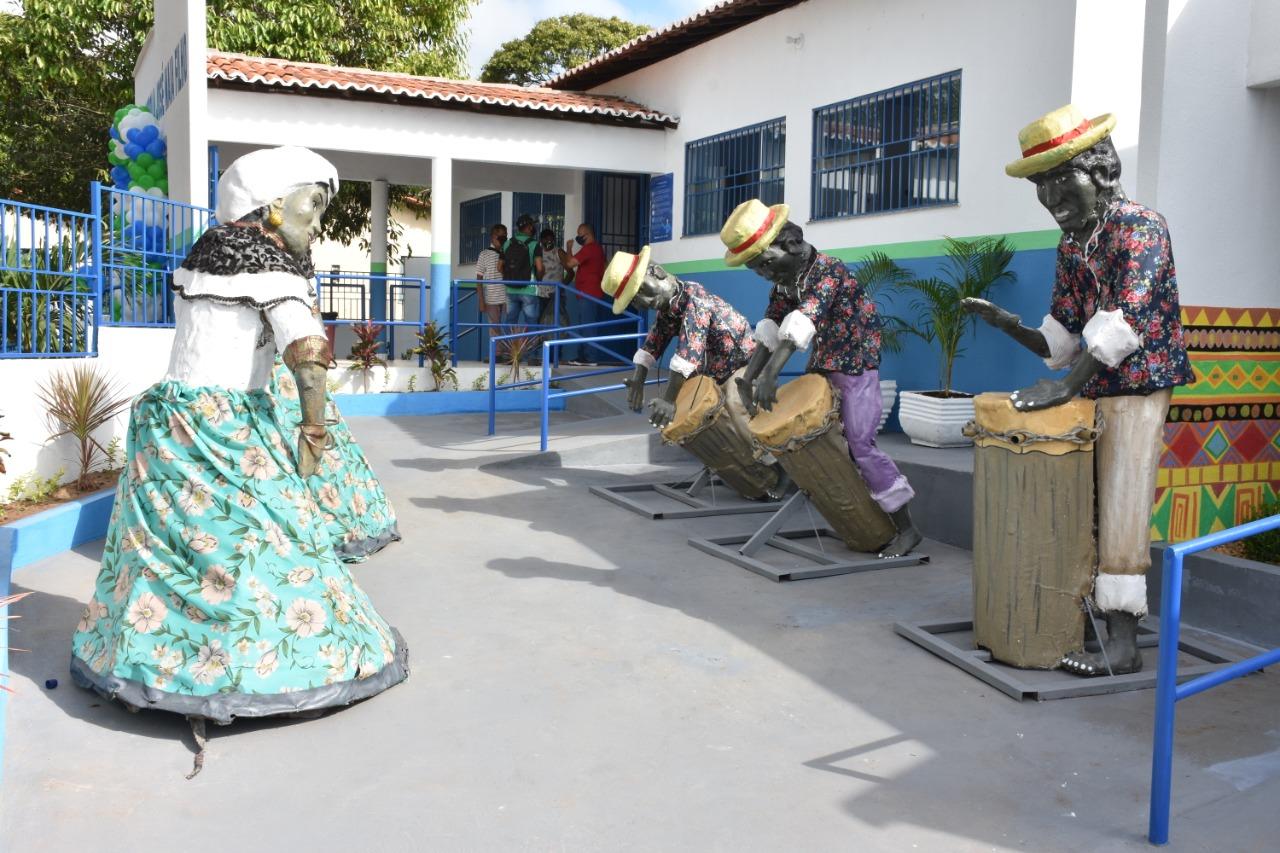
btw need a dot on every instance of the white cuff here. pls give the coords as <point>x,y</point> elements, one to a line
<point>644,359</point>
<point>798,329</point>
<point>1121,592</point>
<point>1063,345</point>
<point>1109,338</point>
<point>682,366</point>
<point>767,334</point>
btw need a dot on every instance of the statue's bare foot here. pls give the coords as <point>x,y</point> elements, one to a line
<point>1121,647</point>
<point>902,544</point>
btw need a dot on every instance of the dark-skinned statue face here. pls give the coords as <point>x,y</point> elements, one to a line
<point>299,215</point>
<point>1077,193</point>
<point>657,289</point>
<point>779,265</point>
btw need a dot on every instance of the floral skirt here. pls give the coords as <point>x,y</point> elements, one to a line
<point>220,593</point>
<point>360,518</point>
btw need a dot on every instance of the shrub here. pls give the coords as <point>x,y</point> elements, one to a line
<point>4,436</point>
<point>77,402</point>
<point>1264,547</point>
<point>433,347</point>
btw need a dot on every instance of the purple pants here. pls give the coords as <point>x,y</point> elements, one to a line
<point>860,409</point>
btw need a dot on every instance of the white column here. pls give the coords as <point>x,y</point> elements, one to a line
<point>443,238</point>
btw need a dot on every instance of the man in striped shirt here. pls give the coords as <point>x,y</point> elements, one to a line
<point>492,297</point>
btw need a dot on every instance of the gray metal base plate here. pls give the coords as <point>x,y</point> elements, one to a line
<point>831,558</point>
<point>953,642</point>
<point>696,498</point>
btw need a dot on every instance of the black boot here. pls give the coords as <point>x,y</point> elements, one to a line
<point>1121,647</point>
<point>907,538</point>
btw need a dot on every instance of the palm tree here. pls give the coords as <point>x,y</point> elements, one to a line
<point>971,269</point>
<point>875,273</point>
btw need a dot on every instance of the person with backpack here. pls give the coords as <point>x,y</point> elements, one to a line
<point>522,261</point>
<point>492,297</point>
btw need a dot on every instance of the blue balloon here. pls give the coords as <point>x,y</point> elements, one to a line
<point>156,148</point>
<point>134,134</point>
<point>115,133</point>
<point>131,150</point>
<point>150,134</point>
<point>120,176</point>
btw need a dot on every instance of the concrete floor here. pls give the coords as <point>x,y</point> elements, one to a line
<point>583,680</point>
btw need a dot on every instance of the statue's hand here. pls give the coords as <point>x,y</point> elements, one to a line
<point>766,391</point>
<point>661,412</point>
<point>1045,394</point>
<point>635,392</point>
<point>992,313</point>
<point>746,393</point>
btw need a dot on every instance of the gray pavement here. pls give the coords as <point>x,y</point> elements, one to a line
<point>583,680</point>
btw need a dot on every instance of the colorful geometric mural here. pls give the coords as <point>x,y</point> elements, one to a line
<point>1221,455</point>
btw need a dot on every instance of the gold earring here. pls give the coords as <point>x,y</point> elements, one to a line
<point>274,219</point>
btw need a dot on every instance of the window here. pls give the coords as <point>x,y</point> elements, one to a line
<point>547,209</point>
<point>893,150</point>
<point>475,218</point>
<point>722,171</point>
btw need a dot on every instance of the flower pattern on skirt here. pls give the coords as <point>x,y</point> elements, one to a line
<point>845,317</point>
<point>1130,269</point>
<point>713,336</point>
<point>219,574</point>
<point>349,497</point>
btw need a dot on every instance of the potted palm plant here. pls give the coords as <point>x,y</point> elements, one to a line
<point>876,273</point>
<point>971,268</point>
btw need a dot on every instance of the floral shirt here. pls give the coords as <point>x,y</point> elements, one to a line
<point>1130,269</point>
<point>714,339</point>
<point>848,327</point>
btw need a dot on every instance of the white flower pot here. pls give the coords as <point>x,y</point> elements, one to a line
<point>888,393</point>
<point>934,421</point>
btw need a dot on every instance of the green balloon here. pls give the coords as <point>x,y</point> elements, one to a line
<point>119,114</point>
<point>135,171</point>
<point>144,159</point>
<point>114,159</point>
<point>163,184</point>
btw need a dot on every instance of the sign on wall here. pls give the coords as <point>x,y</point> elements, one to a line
<point>660,200</point>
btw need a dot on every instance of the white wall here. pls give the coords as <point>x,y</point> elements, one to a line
<point>1219,173</point>
<point>350,256</point>
<point>176,48</point>
<point>1016,59</point>
<point>136,357</point>
<point>1264,43</point>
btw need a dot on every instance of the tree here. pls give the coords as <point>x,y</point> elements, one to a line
<point>69,66</point>
<point>555,45</point>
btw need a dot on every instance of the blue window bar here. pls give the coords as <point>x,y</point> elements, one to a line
<point>547,210</point>
<point>722,171</point>
<point>475,217</point>
<point>898,149</point>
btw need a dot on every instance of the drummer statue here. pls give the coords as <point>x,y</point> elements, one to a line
<point>1114,325</point>
<point>712,338</point>
<point>816,300</point>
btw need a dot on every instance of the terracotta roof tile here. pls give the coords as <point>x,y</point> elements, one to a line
<point>261,72</point>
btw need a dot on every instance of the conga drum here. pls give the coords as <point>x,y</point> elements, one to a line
<point>803,431</point>
<point>703,426</point>
<point>1033,542</point>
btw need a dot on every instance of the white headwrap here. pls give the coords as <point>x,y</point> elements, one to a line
<point>260,177</point>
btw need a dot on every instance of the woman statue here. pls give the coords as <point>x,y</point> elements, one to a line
<point>220,593</point>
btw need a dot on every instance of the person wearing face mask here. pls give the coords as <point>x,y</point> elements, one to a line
<point>588,268</point>
<point>1114,324</point>
<point>220,594</point>
<point>816,301</point>
<point>554,272</point>
<point>492,298</point>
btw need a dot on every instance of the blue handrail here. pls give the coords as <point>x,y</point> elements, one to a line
<point>1168,691</point>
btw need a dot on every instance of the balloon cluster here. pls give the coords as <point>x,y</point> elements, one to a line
<point>137,152</point>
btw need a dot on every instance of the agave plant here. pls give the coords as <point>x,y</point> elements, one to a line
<point>366,352</point>
<point>78,401</point>
<point>514,351</point>
<point>971,269</point>
<point>433,347</point>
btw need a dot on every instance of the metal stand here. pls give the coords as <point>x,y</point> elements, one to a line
<point>741,550</point>
<point>723,500</point>
<point>953,642</point>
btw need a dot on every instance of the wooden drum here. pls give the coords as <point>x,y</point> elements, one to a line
<point>804,433</point>
<point>1033,543</point>
<point>704,426</point>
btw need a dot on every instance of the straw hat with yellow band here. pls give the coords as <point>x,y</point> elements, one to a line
<point>623,276</point>
<point>1055,138</point>
<point>750,230</point>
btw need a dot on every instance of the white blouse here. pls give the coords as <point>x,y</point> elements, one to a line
<point>233,345</point>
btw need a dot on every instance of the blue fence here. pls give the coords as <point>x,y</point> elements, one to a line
<point>394,302</point>
<point>1168,691</point>
<point>48,291</point>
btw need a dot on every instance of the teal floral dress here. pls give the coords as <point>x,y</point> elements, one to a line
<point>220,593</point>
<point>354,506</point>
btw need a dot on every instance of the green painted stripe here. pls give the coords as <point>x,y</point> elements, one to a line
<point>1022,241</point>
<point>378,267</point>
<point>440,258</point>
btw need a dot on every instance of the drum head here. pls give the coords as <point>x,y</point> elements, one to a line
<point>1001,425</point>
<point>696,399</point>
<point>802,408</point>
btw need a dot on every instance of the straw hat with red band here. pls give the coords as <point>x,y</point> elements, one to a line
<point>750,229</point>
<point>623,276</point>
<point>1057,137</point>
